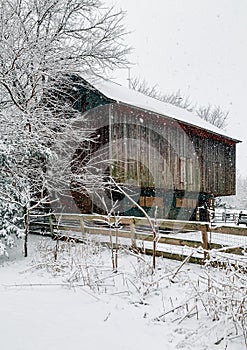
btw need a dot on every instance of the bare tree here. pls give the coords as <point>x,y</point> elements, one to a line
<point>142,86</point>
<point>43,40</point>
<point>213,114</point>
<point>176,98</point>
<point>44,46</point>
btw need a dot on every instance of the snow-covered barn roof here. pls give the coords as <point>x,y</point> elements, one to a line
<point>131,97</point>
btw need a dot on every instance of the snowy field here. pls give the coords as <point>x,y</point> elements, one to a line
<point>67,296</point>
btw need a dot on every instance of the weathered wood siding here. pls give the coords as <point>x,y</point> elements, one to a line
<point>217,162</point>
<point>165,163</point>
<point>158,152</point>
<point>151,150</point>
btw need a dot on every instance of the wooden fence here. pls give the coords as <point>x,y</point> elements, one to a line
<point>226,216</point>
<point>136,230</point>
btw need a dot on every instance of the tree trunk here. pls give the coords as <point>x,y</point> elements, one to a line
<point>26,225</point>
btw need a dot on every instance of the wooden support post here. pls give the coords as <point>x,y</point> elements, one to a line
<point>82,227</point>
<point>51,226</point>
<point>133,233</point>
<point>205,245</point>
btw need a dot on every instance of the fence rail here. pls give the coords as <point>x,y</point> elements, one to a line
<point>225,216</point>
<point>170,233</point>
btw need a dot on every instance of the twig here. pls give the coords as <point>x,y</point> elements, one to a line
<point>132,253</point>
<point>189,314</point>
<point>159,318</point>
<point>181,265</point>
<point>107,316</point>
<point>69,285</point>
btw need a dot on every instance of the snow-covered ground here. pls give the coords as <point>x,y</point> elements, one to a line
<point>76,301</point>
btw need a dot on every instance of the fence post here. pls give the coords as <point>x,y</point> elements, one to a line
<point>205,245</point>
<point>82,227</point>
<point>132,233</point>
<point>51,225</point>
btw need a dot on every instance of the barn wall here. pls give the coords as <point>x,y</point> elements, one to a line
<point>217,164</point>
<point>172,155</point>
<point>173,166</point>
<point>178,158</point>
<point>154,150</point>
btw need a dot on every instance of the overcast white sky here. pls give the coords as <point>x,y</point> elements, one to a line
<point>196,46</point>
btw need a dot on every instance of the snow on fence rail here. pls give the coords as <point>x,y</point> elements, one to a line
<point>175,239</point>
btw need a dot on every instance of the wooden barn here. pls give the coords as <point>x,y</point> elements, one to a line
<point>170,161</point>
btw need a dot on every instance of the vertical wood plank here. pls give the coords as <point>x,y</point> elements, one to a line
<point>132,233</point>
<point>205,245</point>
<point>82,227</point>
